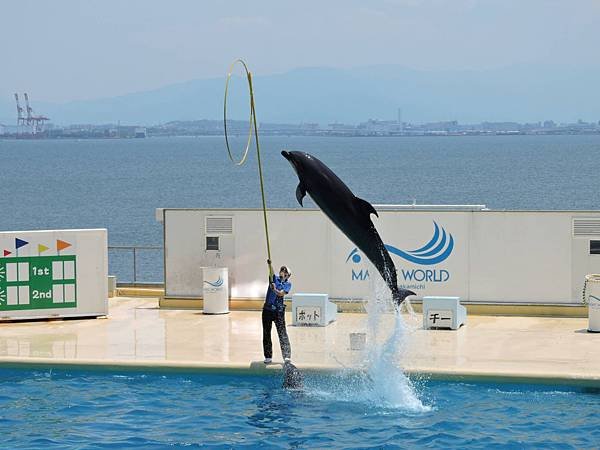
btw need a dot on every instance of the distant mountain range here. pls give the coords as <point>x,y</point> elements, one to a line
<point>324,95</point>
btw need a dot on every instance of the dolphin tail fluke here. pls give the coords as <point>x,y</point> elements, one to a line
<point>401,294</point>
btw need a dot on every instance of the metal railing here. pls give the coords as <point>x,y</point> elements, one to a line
<point>415,206</point>
<point>118,266</point>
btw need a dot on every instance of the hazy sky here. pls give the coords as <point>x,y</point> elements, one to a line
<point>64,50</point>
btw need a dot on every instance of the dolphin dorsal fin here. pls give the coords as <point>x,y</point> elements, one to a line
<point>300,193</point>
<point>365,206</point>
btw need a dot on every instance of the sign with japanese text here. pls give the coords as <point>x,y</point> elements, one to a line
<point>308,315</point>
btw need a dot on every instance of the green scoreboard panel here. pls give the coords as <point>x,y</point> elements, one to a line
<point>38,282</point>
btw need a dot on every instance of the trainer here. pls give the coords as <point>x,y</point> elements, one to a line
<point>274,311</point>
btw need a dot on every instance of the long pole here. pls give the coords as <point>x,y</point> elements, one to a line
<point>253,127</point>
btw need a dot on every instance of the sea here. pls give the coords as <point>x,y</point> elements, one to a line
<point>118,183</point>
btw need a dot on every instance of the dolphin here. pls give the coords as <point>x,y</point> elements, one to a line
<point>292,377</point>
<point>352,215</point>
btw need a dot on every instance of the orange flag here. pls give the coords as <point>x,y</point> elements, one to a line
<point>61,245</point>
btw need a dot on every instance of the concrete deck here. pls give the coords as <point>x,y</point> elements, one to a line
<point>138,334</point>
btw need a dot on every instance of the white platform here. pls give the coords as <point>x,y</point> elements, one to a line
<point>313,309</point>
<point>443,312</point>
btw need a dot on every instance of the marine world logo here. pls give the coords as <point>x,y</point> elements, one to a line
<point>362,274</point>
<point>215,284</point>
<point>435,251</point>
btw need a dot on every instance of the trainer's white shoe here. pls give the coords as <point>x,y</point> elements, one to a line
<point>268,360</point>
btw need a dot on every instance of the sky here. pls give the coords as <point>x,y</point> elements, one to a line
<point>65,50</point>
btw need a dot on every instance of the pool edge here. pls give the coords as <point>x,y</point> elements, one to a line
<point>259,368</point>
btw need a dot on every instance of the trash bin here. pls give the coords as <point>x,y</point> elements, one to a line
<point>112,285</point>
<point>592,298</point>
<point>215,290</point>
<point>358,341</point>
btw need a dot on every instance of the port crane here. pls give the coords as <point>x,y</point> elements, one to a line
<point>37,122</point>
<point>20,118</point>
<point>31,120</point>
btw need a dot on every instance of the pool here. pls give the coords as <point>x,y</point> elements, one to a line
<point>59,409</point>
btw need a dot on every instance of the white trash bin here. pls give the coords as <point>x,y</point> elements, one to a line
<point>592,298</point>
<point>112,286</point>
<point>358,341</point>
<point>215,290</point>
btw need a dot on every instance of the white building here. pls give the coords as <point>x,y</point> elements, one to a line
<point>477,254</point>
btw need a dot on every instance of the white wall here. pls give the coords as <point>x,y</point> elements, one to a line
<point>498,256</point>
<point>526,256</point>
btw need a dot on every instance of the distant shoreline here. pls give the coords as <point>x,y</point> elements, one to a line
<point>323,134</point>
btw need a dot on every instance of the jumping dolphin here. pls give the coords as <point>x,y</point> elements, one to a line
<point>292,377</point>
<point>352,215</point>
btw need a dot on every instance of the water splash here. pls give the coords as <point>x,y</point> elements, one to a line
<point>377,378</point>
<point>383,354</point>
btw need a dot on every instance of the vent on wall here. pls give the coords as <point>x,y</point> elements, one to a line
<point>586,227</point>
<point>219,225</point>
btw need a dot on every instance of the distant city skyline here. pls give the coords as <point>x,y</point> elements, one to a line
<point>368,128</point>
<point>68,50</point>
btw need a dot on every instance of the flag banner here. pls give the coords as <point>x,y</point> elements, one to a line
<point>20,243</point>
<point>61,245</point>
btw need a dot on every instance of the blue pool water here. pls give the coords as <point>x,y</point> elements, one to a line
<point>87,410</point>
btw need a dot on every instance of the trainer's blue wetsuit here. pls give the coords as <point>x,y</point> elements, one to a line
<point>274,311</point>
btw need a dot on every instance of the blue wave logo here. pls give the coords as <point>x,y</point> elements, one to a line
<point>356,258</point>
<point>438,249</point>
<point>434,252</point>
<point>215,284</point>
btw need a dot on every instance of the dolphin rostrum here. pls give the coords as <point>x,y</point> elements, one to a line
<point>352,215</point>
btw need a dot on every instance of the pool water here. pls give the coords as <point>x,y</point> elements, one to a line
<point>60,409</point>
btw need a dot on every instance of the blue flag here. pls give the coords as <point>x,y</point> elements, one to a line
<point>20,243</point>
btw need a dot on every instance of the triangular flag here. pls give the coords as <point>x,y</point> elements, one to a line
<point>20,243</point>
<point>61,245</point>
<point>6,253</point>
<point>42,248</point>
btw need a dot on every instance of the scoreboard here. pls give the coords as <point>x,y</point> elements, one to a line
<point>54,273</point>
<point>38,282</point>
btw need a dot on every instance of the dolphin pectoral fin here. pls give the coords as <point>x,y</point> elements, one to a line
<point>365,206</point>
<point>300,193</point>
